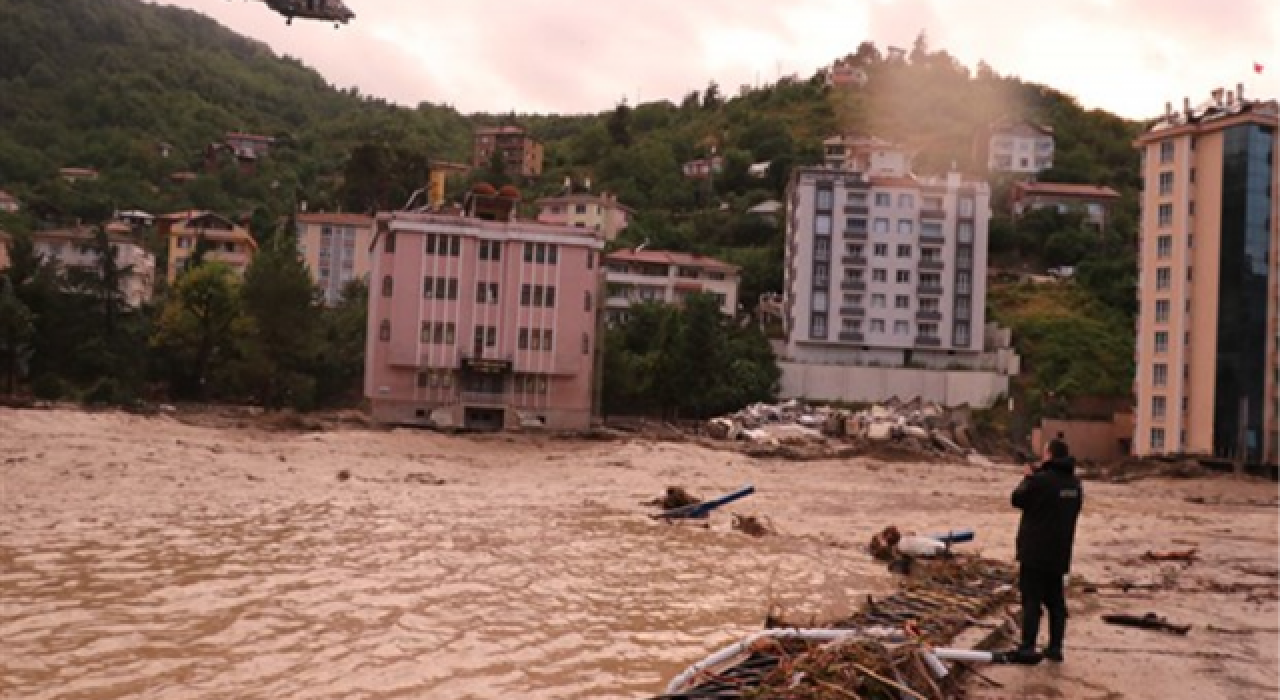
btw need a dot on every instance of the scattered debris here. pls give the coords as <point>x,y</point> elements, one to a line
<point>892,431</point>
<point>425,478</point>
<point>1187,555</point>
<point>676,497</point>
<point>754,526</point>
<point>1150,621</point>
<point>704,508</point>
<point>344,475</point>
<point>885,543</point>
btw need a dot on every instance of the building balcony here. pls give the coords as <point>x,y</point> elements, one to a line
<point>928,315</point>
<point>857,210</point>
<point>856,260</point>
<point>932,237</point>
<point>857,311</point>
<point>927,264</point>
<point>928,341</point>
<point>851,337</point>
<point>855,234</point>
<point>929,290</point>
<point>853,285</point>
<point>933,214</point>
<point>483,398</point>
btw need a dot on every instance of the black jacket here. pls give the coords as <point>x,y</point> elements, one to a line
<point>1050,500</point>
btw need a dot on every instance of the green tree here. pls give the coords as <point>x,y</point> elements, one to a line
<point>278,298</point>
<point>17,329</point>
<point>620,125</point>
<point>195,327</point>
<point>339,363</point>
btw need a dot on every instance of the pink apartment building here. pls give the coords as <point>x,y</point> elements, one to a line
<point>482,324</point>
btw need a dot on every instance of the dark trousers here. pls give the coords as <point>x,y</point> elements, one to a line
<point>1042,588</point>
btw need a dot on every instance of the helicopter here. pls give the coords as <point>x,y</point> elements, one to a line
<point>325,10</point>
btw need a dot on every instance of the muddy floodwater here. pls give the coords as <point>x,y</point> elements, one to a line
<point>149,558</point>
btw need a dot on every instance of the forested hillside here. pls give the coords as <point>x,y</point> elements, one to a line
<point>106,83</point>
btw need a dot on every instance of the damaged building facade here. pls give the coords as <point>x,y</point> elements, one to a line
<point>482,321</point>
<point>885,288</point>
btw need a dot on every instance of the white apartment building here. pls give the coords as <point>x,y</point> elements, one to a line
<point>70,249</point>
<point>638,276</point>
<point>885,270</point>
<point>1019,147</point>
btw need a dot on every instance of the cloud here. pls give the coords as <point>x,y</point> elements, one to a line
<point>1128,56</point>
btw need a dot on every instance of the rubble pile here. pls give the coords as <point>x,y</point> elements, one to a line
<point>894,429</point>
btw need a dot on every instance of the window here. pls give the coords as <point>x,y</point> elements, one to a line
<point>1191,208</point>
<point>580,209</point>
<point>384,331</point>
<point>906,201</point>
<point>853,300</point>
<point>818,326</point>
<point>1160,375</point>
<point>964,232</point>
<point>491,250</point>
<point>858,199</point>
<point>878,301</point>
<point>550,298</point>
<point>931,229</point>
<point>1165,215</point>
<point>1166,183</point>
<point>879,275</point>
<point>902,301</point>
<point>928,330</point>
<point>877,325</point>
<point>931,203</point>
<point>966,207</point>
<point>1164,246</point>
<point>1162,342</point>
<point>522,341</point>
<point>586,301</point>
<point>904,251</point>
<point>1158,406</point>
<point>820,301</point>
<point>388,286</point>
<point>586,344</point>
<point>929,304</point>
<point>1157,438</point>
<point>856,225</point>
<point>962,334</point>
<point>901,328</point>
<point>444,288</point>
<point>822,224</point>
<point>884,199</point>
<point>486,292</point>
<point>881,250</point>
<point>1162,311</point>
<point>962,282</point>
<point>880,226</point>
<point>825,199</point>
<point>821,250</point>
<point>391,243</point>
<point>820,275</point>
<point>537,295</point>
<point>1166,153</point>
<point>440,244</point>
<point>591,259</point>
<point>1163,278</point>
<point>904,277</point>
<point>905,227</point>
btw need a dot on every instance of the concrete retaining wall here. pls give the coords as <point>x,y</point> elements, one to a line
<point>869,384</point>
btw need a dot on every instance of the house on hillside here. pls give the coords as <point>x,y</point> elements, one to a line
<point>223,240</point>
<point>601,213</point>
<point>74,175</point>
<point>1018,146</point>
<point>521,154</point>
<point>638,276</point>
<point>1095,200</point>
<point>9,204</point>
<point>249,146</point>
<point>335,248</point>
<point>869,155</point>
<point>844,74</point>
<point>703,168</point>
<point>73,249</point>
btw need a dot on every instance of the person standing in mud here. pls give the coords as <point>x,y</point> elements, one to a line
<point>1050,498</point>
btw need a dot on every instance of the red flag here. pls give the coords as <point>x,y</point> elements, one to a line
<point>1257,67</point>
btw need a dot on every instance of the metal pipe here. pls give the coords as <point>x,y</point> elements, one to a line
<point>817,635</point>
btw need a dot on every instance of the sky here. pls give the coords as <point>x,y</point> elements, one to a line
<point>573,56</point>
